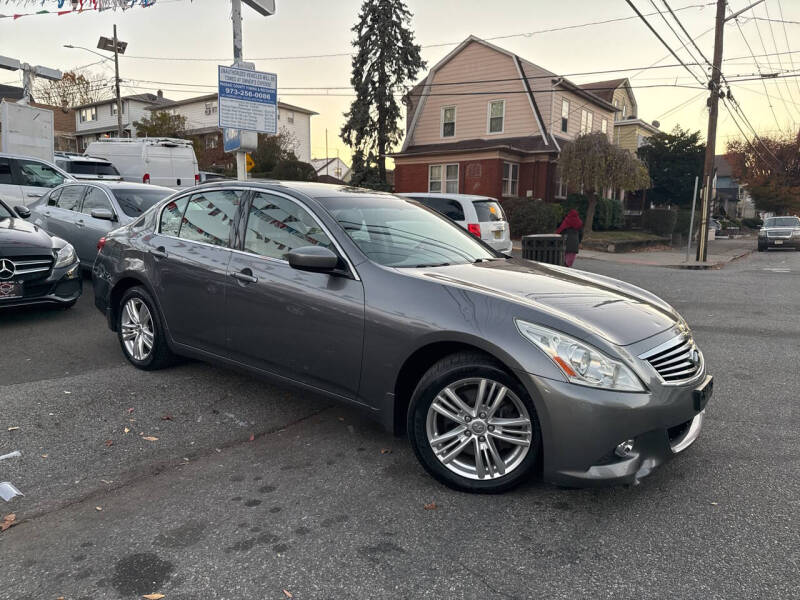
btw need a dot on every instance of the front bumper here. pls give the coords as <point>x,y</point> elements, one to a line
<point>62,287</point>
<point>768,242</point>
<point>581,427</point>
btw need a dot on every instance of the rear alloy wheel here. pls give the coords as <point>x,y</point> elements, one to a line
<point>476,432</point>
<point>140,331</point>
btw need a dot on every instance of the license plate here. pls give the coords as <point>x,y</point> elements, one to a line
<point>703,394</point>
<point>778,242</point>
<point>498,234</point>
<point>10,290</point>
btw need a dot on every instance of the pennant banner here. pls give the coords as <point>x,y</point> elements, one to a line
<point>68,7</point>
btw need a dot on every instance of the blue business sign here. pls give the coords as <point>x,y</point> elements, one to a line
<point>231,140</point>
<point>248,100</point>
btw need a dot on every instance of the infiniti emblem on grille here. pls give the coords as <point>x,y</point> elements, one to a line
<point>7,269</point>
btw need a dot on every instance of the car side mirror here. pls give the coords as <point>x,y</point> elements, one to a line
<point>313,258</point>
<point>23,211</point>
<point>103,214</point>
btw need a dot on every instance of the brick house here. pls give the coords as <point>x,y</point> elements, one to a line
<point>485,121</point>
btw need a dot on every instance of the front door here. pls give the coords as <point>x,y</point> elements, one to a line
<point>305,326</point>
<point>61,217</point>
<point>189,258</point>
<point>89,229</point>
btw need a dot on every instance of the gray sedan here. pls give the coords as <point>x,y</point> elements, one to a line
<point>493,366</point>
<point>82,213</point>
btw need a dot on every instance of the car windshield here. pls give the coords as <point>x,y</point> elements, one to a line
<point>782,222</point>
<point>81,167</point>
<point>396,232</point>
<point>5,212</point>
<point>134,202</point>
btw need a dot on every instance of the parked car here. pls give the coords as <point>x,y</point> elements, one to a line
<point>779,232</point>
<point>209,176</point>
<point>490,363</point>
<point>88,168</point>
<point>169,162</point>
<point>35,268</point>
<point>482,216</point>
<point>24,179</point>
<point>82,213</point>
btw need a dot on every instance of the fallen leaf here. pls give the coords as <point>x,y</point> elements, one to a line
<point>714,503</point>
<point>45,455</point>
<point>66,392</point>
<point>288,594</point>
<point>340,418</point>
<point>150,438</point>
<point>109,443</point>
<point>386,450</point>
<point>7,521</point>
<point>252,437</point>
<point>13,428</point>
<point>107,481</point>
<point>98,508</point>
<point>153,596</point>
<point>130,410</point>
<point>166,417</point>
<point>431,506</point>
<point>126,430</point>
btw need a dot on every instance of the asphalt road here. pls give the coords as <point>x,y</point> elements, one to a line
<point>323,504</point>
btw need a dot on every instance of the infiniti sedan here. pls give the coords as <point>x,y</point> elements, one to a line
<point>493,366</point>
<point>83,212</point>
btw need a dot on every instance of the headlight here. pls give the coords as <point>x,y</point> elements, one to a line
<point>580,362</point>
<point>762,233</point>
<point>796,233</point>
<point>66,256</point>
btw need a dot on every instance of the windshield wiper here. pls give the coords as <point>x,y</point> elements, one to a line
<point>433,265</point>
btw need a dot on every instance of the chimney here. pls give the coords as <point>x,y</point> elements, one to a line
<point>160,94</point>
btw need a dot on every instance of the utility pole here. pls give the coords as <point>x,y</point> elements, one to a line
<point>236,17</point>
<point>713,112</point>
<point>116,83</point>
<point>326,151</point>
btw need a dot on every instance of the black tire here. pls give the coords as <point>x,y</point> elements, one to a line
<point>67,305</point>
<point>160,355</point>
<point>451,369</point>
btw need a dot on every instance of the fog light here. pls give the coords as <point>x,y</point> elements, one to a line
<point>624,449</point>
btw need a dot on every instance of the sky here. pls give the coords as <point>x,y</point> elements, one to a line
<point>167,41</point>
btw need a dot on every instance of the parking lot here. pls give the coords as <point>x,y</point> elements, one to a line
<point>198,482</point>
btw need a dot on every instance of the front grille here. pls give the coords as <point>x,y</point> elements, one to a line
<point>676,360</point>
<point>779,233</point>
<point>31,268</point>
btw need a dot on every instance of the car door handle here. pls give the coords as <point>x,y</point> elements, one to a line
<point>244,277</point>
<point>32,195</point>
<point>80,223</point>
<point>159,252</point>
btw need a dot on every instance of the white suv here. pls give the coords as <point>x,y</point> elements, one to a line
<point>482,216</point>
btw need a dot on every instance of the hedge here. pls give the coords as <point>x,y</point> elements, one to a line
<point>660,221</point>
<point>608,213</point>
<point>527,217</point>
<point>752,223</point>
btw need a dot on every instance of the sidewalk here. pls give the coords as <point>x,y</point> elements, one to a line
<point>720,253</point>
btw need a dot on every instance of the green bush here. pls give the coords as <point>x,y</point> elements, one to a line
<point>608,213</point>
<point>754,223</point>
<point>660,221</point>
<point>527,217</point>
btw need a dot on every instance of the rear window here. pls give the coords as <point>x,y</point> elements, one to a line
<point>451,209</point>
<point>489,210</point>
<point>92,168</point>
<point>134,202</point>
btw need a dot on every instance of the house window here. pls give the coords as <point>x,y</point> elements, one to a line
<point>290,118</point>
<point>616,112</point>
<point>443,178</point>
<point>211,108</point>
<point>510,179</point>
<point>561,185</point>
<point>497,114</point>
<point>211,141</point>
<point>584,119</point>
<point>624,110</point>
<point>114,108</point>
<point>448,121</point>
<point>604,125</point>
<point>88,114</point>
<point>589,119</point>
<point>564,115</point>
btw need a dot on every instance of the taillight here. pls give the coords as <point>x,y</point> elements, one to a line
<point>146,178</point>
<point>197,178</point>
<point>100,243</point>
<point>474,229</point>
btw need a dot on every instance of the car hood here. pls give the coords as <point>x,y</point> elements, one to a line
<point>619,312</point>
<point>21,237</point>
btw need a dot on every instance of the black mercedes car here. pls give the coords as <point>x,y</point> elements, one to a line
<point>35,268</point>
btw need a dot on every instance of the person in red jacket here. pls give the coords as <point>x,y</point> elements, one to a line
<point>572,229</point>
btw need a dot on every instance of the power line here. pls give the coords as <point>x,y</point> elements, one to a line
<point>788,47</point>
<point>675,33</point>
<point>775,43</point>
<point>691,39</point>
<point>769,64</point>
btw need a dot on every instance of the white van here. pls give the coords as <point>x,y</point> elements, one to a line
<point>170,162</point>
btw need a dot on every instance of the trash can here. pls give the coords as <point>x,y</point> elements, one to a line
<point>546,248</point>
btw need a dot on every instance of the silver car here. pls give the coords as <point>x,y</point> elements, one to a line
<point>482,216</point>
<point>494,366</point>
<point>82,213</point>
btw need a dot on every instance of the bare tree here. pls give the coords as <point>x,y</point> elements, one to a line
<point>73,89</point>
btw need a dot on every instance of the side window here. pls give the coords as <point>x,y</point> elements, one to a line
<point>5,172</point>
<point>209,215</point>
<point>449,208</point>
<point>172,215</point>
<point>70,198</point>
<point>95,198</point>
<point>276,225</point>
<point>38,174</point>
<point>52,199</point>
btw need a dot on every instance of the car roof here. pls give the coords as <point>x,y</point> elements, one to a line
<point>309,188</point>
<point>465,197</point>
<point>82,158</point>
<point>119,185</point>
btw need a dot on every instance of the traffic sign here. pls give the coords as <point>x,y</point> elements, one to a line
<point>248,100</point>
<point>250,162</point>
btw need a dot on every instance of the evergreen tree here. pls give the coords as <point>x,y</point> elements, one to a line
<point>673,160</point>
<point>386,59</point>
